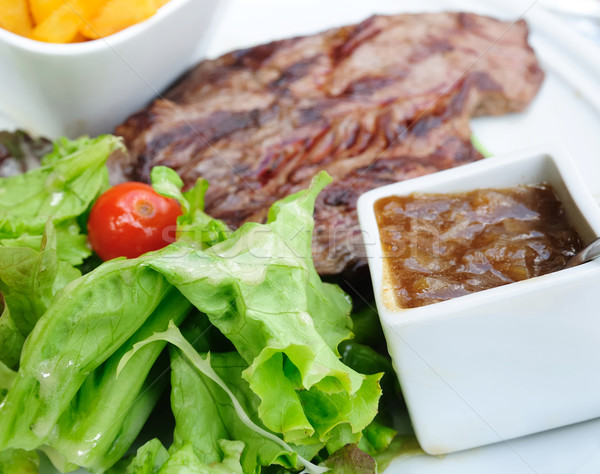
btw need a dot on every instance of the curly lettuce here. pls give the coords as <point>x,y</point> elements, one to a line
<point>259,287</point>
<point>41,242</point>
<point>288,394</point>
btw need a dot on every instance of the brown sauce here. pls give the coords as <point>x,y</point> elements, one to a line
<point>440,246</point>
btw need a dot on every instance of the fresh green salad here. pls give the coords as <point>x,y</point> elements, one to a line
<point>232,334</point>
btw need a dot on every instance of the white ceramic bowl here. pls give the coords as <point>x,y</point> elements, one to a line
<point>508,361</point>
<point>88,88</point>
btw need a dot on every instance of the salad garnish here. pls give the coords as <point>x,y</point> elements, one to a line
<point>83,363</point>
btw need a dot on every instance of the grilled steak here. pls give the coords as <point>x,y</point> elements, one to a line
<point>384,100</point>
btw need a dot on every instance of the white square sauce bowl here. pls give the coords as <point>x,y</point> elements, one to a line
<point>503,362</point>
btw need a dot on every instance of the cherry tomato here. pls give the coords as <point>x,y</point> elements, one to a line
<point>131,219</point>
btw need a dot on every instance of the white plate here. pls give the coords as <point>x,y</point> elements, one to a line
<point>567,111</point>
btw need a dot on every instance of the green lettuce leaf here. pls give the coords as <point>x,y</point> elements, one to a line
<point>194,226</point>
<point>40,239</point>
<point>29,279</point>
<point>60,191</point>
<point>184,461</point>
<point>71,243</point>
<point>167,182</point>
<point>194,403</point>
<point>376,437</point>
<point>174,336</point>
<point>7,377</point>
<point>257,285</point>
<point>367,328</point>
<point>86,323</point>
<point>11,339</point>
<point>260,288</point>
<point>404,445</point>
<point>66,396</point>
<point>365,360</point>
<point>18,461</point>
<point>149,458</point>
<point>63,188</point>
<point>480,147</point>
<point>153,458</point>
<point>203,336</point>
<point>108,411</point>
<point>379,434</point>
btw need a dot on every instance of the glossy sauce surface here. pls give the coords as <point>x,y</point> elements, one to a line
<point>440,246</point>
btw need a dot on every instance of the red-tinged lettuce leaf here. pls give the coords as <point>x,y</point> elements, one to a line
<point>351,460</point>
<point>21,152</point>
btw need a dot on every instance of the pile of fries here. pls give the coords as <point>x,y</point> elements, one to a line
<point>72,21</point>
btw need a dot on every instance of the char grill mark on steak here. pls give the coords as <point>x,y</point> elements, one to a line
<point>385,100</point>
<point>353,37</point>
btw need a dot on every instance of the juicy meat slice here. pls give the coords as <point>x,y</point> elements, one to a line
<point>385,100</point>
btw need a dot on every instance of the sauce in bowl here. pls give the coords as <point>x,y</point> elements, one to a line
<point>441,246</point>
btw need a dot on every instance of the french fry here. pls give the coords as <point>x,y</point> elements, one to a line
<point>42,9</point>
<point>14,16</point>
<point>64,23</point>
<point>60,27</point>
<point>79,38</point>
<point>117,15</point>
